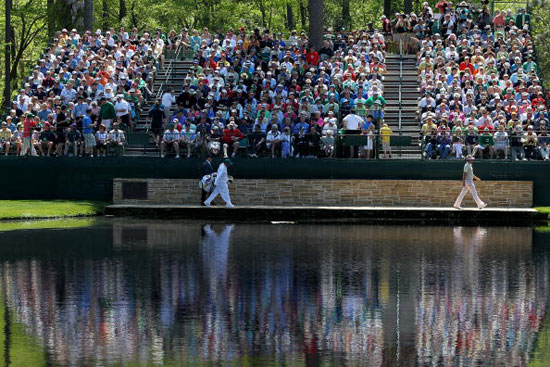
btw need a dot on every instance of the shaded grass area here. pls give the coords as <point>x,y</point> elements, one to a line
<point>66,223</point>
<point>31,209</point>
<point>545,210</point>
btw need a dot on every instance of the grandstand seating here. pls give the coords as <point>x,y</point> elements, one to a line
<point>479,86</point>
<point>305,102</point>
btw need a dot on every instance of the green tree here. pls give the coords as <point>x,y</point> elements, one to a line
<point>8,43</point>
<point>25,34</point>
<point>540,14</point>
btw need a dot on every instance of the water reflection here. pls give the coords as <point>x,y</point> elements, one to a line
<point>183,293</point>
<point>476,308</point>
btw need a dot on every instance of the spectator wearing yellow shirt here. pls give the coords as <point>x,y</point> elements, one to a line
<point>385,134</point>
<point>5,138</point>
<point>428,126</point>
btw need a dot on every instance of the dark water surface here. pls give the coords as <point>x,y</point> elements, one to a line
<point>133,293</point>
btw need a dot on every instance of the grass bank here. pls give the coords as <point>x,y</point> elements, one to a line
<point>39,209</point>
<point>55,223</point>
<point>543,209</point>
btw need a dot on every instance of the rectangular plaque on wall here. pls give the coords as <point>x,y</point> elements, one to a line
<point>134,190</point>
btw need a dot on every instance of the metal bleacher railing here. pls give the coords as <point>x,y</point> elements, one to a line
<point>517,148</point>
<point>400,83</point>
<point>169,72</point>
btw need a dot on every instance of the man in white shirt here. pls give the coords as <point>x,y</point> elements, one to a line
<point>352,124</point>
<point>485,119</point>
<point>425,102</point>
<point>273,139</point>
<point>68,93</point>
<point>330,125</point>
<point>170,139</point>
<point>221,187</point>
<point>116,139</point>
<point>352,121</point>
<point>168,100</point>
<point>122,109</point>
<point>110,40</point>
<point>23,100</point>
<point>468,179</point>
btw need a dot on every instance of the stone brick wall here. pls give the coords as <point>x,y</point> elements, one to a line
<point>516,194</point>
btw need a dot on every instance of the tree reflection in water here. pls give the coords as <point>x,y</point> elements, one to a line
<point>183,293</point>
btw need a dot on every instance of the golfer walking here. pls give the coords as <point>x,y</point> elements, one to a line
<point>221,188</point>
<point>468,179</point>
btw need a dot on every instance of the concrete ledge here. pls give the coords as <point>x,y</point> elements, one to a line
<point>341,214</point>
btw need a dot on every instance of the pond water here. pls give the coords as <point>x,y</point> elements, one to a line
<point>168,293</point>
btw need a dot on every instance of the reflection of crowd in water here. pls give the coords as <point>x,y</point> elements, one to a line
<point>178,307</point>
<point>484,313</point>
<point>207,304</point>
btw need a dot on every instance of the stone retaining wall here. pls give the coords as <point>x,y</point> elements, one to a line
<point>516,194</point>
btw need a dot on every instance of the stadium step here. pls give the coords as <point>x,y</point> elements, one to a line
<point>176,78</point>
<point>401,75</point>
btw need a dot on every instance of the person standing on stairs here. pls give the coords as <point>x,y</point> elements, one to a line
<point>158,119</point>
<point>352,124</point>
<point>168,100</point>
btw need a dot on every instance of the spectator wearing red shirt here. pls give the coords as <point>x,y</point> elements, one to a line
<point>539,101</point>
<point>48,81</point>
<point>231,138</point>
<point>466,64</point>
<point>28,125</point>
<point>444,6</point>
<point>212,63</point>
<point>312,57</point>
<point>103,76</point>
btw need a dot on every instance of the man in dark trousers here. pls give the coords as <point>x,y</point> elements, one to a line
<point>206,169</point>
<point>158,116</point>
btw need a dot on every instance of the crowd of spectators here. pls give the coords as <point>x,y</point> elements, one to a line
<point>85,92</point>
<point>479,84</point>
<point>273,96</point>
<point>282,97</point>
<point>258,91</point>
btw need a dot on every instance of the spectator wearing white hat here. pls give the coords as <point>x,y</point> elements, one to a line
<point>122,108</point>
<point>170,139</point>
<point>107,113</point>
<point>330,126</point>
<point>231,139</point>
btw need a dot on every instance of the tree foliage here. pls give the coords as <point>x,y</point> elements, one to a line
<point>540,14</point>
<point>28,36</point>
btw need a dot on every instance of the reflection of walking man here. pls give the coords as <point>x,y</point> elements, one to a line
<point>221,188</point>
<point>215,251</point>
<point>468,178</point>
